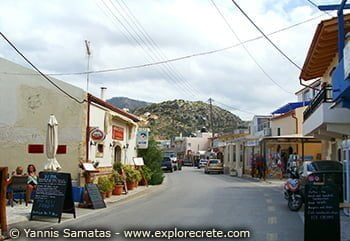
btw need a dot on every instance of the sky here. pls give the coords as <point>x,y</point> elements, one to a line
<point>124,33</point>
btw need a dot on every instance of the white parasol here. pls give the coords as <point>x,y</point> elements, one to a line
<point>52,145</point>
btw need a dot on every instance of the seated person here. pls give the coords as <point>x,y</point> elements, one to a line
<point>18,173</point>
<point>32,181</point>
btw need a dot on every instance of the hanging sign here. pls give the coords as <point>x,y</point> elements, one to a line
<point>97,135</point>
<point>142,138</point>
<point>118,133</point>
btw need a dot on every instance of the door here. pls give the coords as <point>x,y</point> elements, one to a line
<point>117,154</point>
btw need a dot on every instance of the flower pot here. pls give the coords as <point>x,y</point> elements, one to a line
<point>118,190</point>
<point>108,194</point>
<point>143,182</point>
<point>130,185</point>
<point>103,194</point>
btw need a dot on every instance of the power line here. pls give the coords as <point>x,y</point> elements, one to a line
<point>247,51</point>
<point>235,108</point>
<point>136,39</point>
<point>265,36</point>
<point>149,51</point>
<point>154,46</point>
<point>173,59</point>
<point>34,67</point>
<point>316,6</point>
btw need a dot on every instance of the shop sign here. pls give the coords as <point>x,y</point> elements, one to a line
<point>142,138</point>
<point>118,133</point>
<point>97,135</point>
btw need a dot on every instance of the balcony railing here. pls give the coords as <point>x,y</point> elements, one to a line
<point>324,96</point>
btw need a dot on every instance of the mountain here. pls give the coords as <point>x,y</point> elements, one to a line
<point>124,102</point>
<point>170,118</point>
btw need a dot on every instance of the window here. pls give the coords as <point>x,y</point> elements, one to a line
<point>278,131</point>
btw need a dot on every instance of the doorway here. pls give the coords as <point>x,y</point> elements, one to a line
<point>117,154</point>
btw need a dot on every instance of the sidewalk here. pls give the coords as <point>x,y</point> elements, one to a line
<point>20,213</point>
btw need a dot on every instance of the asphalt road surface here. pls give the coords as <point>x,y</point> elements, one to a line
<point>192,200</point>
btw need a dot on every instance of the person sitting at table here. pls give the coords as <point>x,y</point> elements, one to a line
<point>17,173</point>
<point>32,181</point>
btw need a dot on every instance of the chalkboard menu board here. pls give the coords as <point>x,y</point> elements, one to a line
<point>322,221</point>
<point>53,195</point>
<point>95,196</point>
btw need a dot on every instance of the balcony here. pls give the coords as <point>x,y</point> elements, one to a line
<point>324,121</point>
<point>341,85</point>
<point>324,96</point>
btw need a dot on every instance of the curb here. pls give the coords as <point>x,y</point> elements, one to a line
<point>109,204</point>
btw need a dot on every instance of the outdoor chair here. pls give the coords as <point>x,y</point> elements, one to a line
<point>18,188</point>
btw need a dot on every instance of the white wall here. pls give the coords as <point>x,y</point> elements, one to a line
<point>26,102</point>
<point>97,119</point>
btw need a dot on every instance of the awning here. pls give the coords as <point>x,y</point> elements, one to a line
<point>290,106</point>
<point>290,139</point>
<point>323,48</point>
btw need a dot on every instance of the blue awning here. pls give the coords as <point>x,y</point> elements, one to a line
<point>290,106</point>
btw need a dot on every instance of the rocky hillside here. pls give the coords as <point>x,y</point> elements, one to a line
<point>170,118</point>
<point>124,102</point>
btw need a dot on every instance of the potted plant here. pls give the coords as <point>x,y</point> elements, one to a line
<point>138,177</point>
<point>105,186</point>
<point>131,177</point>
<point>118,167</point>
<point>119,183</point>
<point>146,173</point>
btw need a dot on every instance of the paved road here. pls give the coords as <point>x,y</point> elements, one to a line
<point>191,199</point>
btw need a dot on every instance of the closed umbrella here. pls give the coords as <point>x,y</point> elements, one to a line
<point>52,145</point>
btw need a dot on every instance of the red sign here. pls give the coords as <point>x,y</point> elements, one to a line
<point>118,133</point>
<point>35,148</point>
<point>62,149</point>
<point>97,135</point>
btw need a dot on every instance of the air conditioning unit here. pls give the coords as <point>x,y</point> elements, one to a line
<point>267,131</point>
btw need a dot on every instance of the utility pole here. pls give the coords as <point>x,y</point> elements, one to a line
<point>211,120</point>
<point>88,52</point>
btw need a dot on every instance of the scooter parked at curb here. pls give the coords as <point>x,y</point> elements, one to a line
<point>292,191</point>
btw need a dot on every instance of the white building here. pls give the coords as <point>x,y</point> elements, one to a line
<point>26,102</point>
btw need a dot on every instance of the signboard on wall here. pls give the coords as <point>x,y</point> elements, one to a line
<point>142,138</point>
<point>118,133</point>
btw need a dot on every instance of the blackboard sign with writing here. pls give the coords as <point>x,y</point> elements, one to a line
<point>322,221</point>
<point>95,196</point>
<point>53,195</point>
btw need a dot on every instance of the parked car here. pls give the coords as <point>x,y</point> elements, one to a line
<point>328,172</point>
<point>187,162</point>
<point>167,164</point>
<point>214,165</point>
<point>202,163</point>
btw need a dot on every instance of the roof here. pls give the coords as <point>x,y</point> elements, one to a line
<point>289,107</point>
<point>323,48</point>
<point>291,138</point>
<point>313,84</point>
<point>113,108</point>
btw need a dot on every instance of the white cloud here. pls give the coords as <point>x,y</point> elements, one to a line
<point>52,34</point>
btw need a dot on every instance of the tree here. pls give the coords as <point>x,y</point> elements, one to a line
<point>153,157</point>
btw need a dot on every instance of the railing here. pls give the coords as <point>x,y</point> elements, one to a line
<point>324,96</point>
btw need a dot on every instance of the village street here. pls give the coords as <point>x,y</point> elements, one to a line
<point>192,200</point>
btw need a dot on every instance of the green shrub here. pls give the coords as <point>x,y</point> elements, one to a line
<point>105,184</point>
<point>130,174</point>
<point>117,178</point>
<point>153,157</point>
<point>146,172</point>
<point>118,166</point>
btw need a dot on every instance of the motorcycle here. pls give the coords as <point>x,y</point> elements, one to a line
<point>292,191</point>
